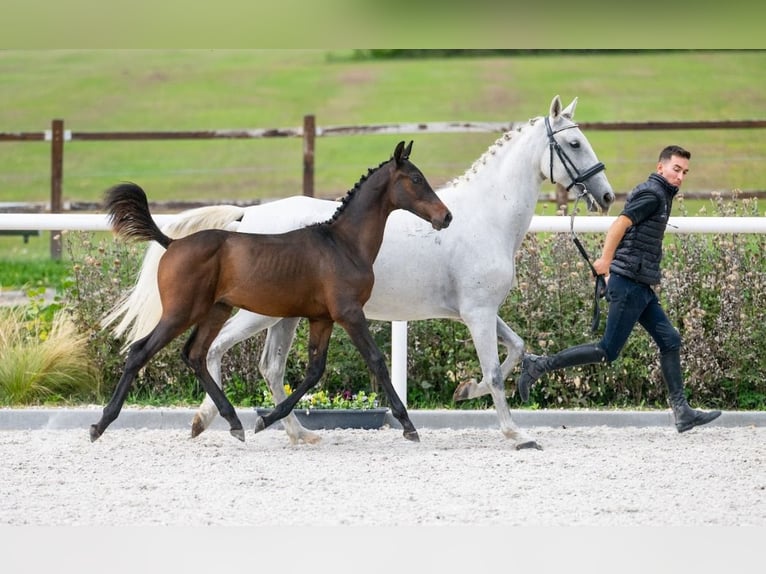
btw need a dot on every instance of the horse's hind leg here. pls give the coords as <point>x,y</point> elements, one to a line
<point>319,340</point>
<point>376,361</point>
<point>485,335</point>
<point>279,340</point>
<point>140,353</point>
<point>515,348</point>
<point>195,354</point>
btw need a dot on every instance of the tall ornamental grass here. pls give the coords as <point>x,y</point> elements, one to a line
<point>44,362</point>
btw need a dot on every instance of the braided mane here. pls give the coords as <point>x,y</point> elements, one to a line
<point>491,151</point>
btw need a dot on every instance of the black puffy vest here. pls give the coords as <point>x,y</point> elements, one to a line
<point>639,254</point>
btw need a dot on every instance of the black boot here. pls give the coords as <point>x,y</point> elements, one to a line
<point>533,366</point>
<point>686,417</point>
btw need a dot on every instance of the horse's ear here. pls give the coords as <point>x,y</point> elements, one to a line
<point>398,152</point>
<point>555,110</point>
<point>407,151</point>
<point>570,109</point>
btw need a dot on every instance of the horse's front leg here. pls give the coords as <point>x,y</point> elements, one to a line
<point>514,350</point>
<point>362,338</point>
<point>484,334</point>
<point>319,340</point>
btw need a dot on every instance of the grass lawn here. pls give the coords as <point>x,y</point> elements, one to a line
<point>111,90</point>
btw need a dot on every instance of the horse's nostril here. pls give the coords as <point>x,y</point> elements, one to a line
<point>609,198</point>
<point>448,219</point>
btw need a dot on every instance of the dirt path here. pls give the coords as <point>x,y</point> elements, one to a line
<point>599,476</point>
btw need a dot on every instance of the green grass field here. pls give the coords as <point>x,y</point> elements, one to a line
<point>110,90</point>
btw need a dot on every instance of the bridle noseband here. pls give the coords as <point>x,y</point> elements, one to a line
<point>578,179</point>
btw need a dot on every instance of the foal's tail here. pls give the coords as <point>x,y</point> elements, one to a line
<point>129,215</point>
<point>139,309</point>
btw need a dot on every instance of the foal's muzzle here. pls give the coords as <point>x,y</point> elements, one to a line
<point>443,223</point>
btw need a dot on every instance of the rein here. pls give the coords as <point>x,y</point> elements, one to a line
<point>578,179</point>
<point>600,282</point>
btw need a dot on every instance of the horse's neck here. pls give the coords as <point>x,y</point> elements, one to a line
<point>362,222</point>
<point>504,183</point>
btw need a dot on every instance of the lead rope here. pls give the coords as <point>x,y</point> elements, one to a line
<point>600,286</point>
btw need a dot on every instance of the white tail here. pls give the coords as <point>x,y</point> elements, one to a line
<point>139,310</point>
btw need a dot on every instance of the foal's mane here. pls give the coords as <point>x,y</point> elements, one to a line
<point>492,151</point>
<point>350,194</point>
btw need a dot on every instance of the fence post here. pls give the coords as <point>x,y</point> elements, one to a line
<point>399,358</point>
<point>57,174</point>
<point>309,134</point>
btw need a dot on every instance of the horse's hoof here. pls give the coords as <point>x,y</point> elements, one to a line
<point>461,392</point>
<point>197,427</point>
<point>529,444</point>
<point>412,435</point>
<point>238,433</point>
<point>94,434</point>
<point>305,437</point>
<point>259,424</point>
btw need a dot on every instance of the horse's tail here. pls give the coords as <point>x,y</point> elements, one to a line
<point>139,309</point>
<point>128,211</point>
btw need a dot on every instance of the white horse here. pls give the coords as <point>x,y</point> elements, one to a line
<point>463,274</point>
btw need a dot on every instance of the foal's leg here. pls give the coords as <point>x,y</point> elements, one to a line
<point>195,353</point>
<point>319,340</point>
<point>483,328</point>
<point>240,326</point>
<point>279,340</point>
<point>514,349</point>
<point>140,353</point>
<point>360,335</point>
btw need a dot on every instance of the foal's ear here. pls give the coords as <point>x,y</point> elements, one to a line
<point>407,151</point>
<point>402,153</point>
<point>399,154</point>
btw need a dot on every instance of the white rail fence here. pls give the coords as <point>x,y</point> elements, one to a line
<point>540,224</point>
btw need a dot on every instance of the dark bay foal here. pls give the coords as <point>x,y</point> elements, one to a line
<point>322,272</point>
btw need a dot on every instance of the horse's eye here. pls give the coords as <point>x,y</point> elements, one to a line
<point>574,144</point>
<point>416,179</point>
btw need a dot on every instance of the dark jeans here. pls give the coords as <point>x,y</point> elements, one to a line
<point>631,302</point>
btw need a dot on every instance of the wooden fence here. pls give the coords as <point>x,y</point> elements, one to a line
<point>58,135</point>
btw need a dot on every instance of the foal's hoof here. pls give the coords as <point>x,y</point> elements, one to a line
<point>528,444</point>
<point>259,424</point>
<point>94,433</point>
<point>238,433</point>
<point>412,435</point>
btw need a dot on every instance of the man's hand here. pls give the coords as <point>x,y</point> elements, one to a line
<point>601,266</point>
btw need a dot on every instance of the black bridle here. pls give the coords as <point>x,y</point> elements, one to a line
<point>578,179</point>
<point>574,174</point>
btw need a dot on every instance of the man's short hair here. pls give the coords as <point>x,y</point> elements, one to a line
<point>672,150</point>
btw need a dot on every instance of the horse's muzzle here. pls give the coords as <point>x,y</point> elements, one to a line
<point>442,224</point>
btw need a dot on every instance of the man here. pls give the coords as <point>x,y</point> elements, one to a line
<point>630,260</point>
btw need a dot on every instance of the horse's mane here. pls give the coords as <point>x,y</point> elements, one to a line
<point>491,151</point>
<point>350,194</point>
